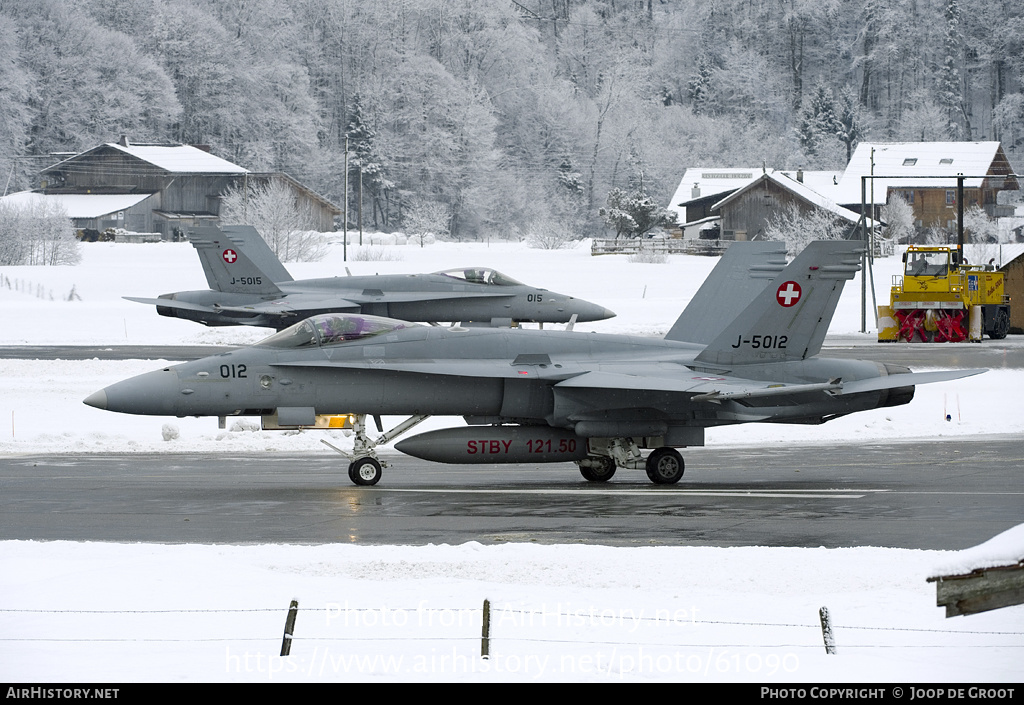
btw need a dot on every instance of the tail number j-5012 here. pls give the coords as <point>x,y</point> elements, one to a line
<point>763,342</point>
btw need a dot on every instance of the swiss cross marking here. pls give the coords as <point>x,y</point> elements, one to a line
<point>230,256</point>
<point>788,294</point>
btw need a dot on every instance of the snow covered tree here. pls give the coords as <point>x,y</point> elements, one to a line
<point>366,164</point>
<point>274,210</point>
<point>819,125</point>
<point>634,213</point>
<point>979,227</point>
<point>796,227</point>
<point>427,218</point>
<point>898,216</point>
<point>36,234</point>
<point>950,79</point>
<point>699,87</point>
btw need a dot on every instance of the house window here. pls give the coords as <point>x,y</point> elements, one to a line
<point>909,162</point>
<point>950,198</point>
<point>946,160</point>
<point>908,196</point>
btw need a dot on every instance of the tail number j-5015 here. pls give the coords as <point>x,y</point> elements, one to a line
<point>763,342</point>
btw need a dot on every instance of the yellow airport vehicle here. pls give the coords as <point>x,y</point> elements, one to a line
<point>940,298</point>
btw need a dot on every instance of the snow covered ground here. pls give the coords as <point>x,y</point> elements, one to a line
<point>109,612</point>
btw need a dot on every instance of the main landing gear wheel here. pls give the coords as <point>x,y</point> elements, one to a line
<point>665,466</point>
<point>601,471</point>
<point>365,471</point>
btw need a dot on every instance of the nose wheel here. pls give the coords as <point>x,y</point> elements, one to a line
<point>365,471</point>
<point>365,468</point>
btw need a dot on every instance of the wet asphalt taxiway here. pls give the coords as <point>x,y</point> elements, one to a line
<point>947,494</point>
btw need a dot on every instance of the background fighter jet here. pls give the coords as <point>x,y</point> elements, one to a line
<point>743,351</point>
<point>249,286</point>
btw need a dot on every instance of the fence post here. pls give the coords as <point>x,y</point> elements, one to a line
<point>485,636</point>
<point>826,631</point>
<point>289,628</point>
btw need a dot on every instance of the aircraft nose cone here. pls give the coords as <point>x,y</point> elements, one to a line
<point>153,393</point>
<point>97,399</point>
<point>592,312</point>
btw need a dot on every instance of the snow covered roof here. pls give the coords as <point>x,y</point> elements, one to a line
<point>78,205</point>
<point>801,190</point>
<point>1003,549</point>
<point>824,182</point>
<point>698,182</point>
<point>176,159</point>
<point>909,159</point>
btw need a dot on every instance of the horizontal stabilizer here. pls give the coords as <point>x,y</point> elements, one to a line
<point>172,303</point>
<point>908,379</point>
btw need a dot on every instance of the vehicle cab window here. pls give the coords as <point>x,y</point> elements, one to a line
<point>927,264</point>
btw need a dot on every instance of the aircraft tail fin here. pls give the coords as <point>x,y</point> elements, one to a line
<point>256,248</point>
<point>743,271</point>
<point>788,319</point>
<point>227,267</point>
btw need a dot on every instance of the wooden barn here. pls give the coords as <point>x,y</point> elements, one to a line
<point>747,212</point>
<point>155,188</point>
<point>701,190</point>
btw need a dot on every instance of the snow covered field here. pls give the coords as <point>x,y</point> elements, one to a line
<point>560,612</point>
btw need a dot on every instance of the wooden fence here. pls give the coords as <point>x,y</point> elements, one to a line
<point>669,246</point>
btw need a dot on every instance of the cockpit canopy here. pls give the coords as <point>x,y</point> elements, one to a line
<point>332,329</point>
<point>480,275</point>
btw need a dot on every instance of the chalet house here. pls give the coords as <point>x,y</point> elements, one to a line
<point>923,174</point>
<point>153,188</point>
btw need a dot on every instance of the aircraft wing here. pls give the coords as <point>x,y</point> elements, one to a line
<point>702,387</point>
<point>450,368</point>
<point>717,388</point>
<point>294,305</point>
<point>368,296</point>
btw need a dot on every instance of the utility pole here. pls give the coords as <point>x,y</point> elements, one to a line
<point>344,209</point>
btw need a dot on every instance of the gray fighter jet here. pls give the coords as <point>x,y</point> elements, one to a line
<point>745,350</point>
<point>249,286</point>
